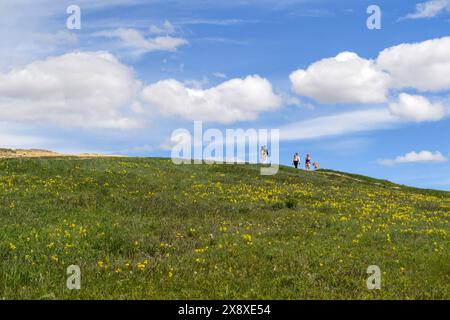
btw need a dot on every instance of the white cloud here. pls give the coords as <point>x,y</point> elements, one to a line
<point>81,89</point>
<point>414,157</point>
<point>346,78</point>
<point>339,124</point>
<point>133,39</point>
<point>31,30</point>
<point>417,108</point>
<point>231,101</point>
<point>295,101</point>
<point>196,84</point>
<point>424,66</point>
<point>429,9</point>
<point>220,75</point>
<point>94,90</point>
<point>166,28</point>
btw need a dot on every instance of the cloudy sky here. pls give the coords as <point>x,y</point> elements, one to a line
<point>374,102</point>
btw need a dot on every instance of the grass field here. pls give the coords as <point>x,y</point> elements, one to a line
<point>147,229</point>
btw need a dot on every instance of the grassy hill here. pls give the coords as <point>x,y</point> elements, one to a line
<point>145,228</point>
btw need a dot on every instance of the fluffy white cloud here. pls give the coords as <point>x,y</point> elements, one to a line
<point>133,39</point>
<point>346,78</point>
<point>94,90</point>
<point>424,66</point>
<point>429,9</point>
<point>82,89</point>
<point>231,101</point>
<point>417,108</point>
<point>415,157</point>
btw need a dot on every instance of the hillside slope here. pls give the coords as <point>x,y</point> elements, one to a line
<point>145,228</point>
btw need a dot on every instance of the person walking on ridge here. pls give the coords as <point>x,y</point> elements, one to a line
<point>307,162</point>
<point>296,160</point>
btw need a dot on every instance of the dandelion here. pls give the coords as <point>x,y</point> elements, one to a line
<point>82,231</point>
<point>12,247</point>
<point>179,236</point>
<point>68,246</point>
<point>247,238</point>
<point>141,266</point>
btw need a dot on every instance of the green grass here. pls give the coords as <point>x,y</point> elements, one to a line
<point>147,229</point>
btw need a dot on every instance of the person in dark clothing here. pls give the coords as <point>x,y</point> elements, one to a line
<point>296,160</point>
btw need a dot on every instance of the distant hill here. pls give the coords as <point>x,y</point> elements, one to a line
<point>38,153</point>
<point>143,228</point>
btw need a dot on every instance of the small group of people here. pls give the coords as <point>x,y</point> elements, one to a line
<point>296,161</point>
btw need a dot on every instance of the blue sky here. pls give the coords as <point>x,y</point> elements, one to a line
<point>122,83</point>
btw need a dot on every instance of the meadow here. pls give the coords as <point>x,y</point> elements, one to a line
<point>142,228</point>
